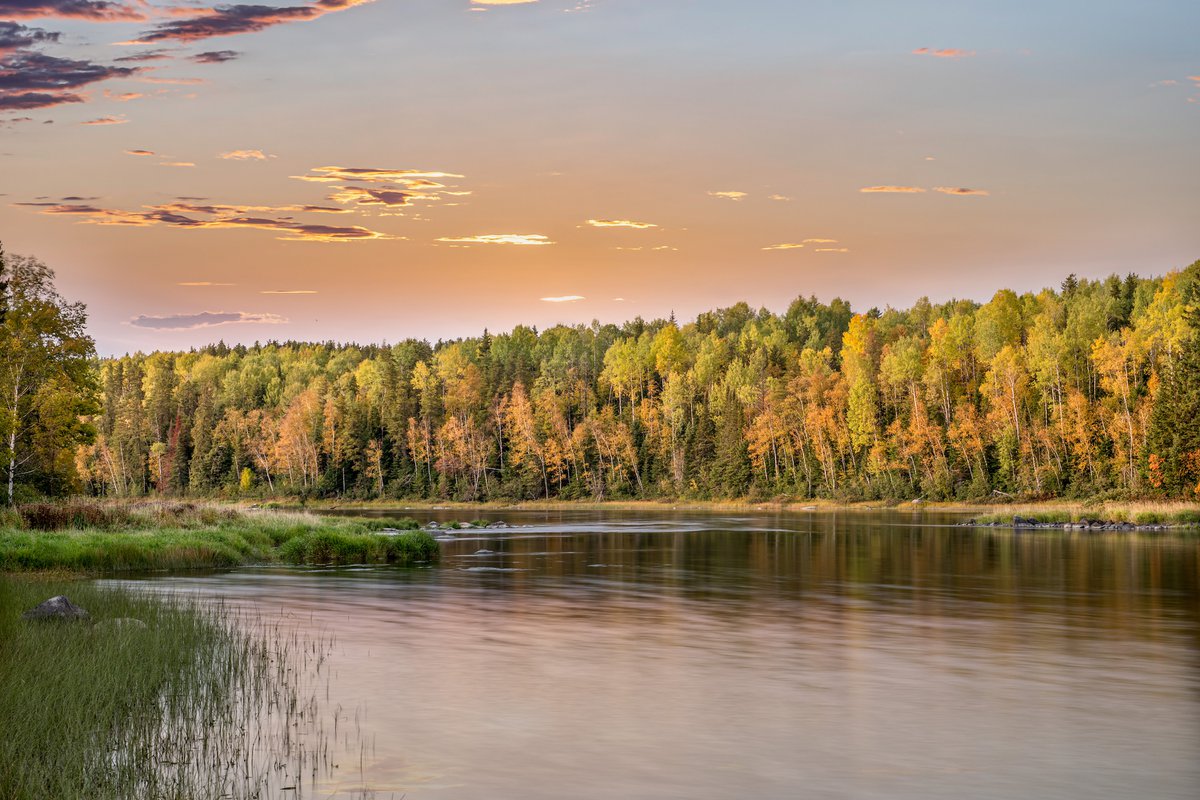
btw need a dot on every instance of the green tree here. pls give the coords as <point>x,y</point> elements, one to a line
<point>46,376</point>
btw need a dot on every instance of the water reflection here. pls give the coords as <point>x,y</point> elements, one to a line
<point>812,655</point>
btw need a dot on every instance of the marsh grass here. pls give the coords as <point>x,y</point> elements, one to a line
<point>1143,513</point>
<point>197,703</point>
<point>96,537</point>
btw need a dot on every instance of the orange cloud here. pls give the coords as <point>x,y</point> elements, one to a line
<point>566,298</point>
<point>820,241</point>
<point>959,190</point>
<point>949,52</point>
<point>527,239</point>
<point>784,246</point>
<point>832,250</point>
<point>728,195</point>
<point>176,164</point>
<point>892,189</point>
<point>123,97</point>
<point>203,283</point>
<point>245,155</point>
<point>288,291</point>
<point>620,223</point>
<point>140,153</point>
<point>106,121</point>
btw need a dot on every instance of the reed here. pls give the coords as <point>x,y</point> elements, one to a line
<point>194,701</point>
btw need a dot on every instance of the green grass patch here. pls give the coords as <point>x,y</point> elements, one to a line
<point>185,704</point>
<point>186,536</point>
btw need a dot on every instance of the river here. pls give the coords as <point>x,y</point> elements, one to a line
<point>604,655</point>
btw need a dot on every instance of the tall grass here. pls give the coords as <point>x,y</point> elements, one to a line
<point>190,705</point>
<point>91,537</point>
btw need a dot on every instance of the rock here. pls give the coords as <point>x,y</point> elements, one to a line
<point>58,607</point>
<point>1023,522</point>
<point>120,622</point>
<point>433,526</point>
<point>483,551</point>
<point>462,525</point>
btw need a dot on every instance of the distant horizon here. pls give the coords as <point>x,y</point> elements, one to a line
<point>680,320</point>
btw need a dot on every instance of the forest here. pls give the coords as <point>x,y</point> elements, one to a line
<point>1087,390</point>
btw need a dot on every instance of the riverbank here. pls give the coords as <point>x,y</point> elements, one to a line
<point>149,697</point>
<point>1057,511</point>
<point>85,537</point>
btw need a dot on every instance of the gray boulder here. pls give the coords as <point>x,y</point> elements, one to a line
<point>58,607</point>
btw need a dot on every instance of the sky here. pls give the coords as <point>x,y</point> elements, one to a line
<point>367,171</point>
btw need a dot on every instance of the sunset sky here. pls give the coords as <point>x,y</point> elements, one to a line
<point>373,171</point>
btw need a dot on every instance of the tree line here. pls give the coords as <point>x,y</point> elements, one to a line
<point>1091,389</point>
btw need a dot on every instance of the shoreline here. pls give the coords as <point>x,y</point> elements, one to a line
<point>1078,509</point>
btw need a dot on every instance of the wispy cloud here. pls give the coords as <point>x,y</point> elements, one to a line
<point>502,2</point>
<point>620,223</point>
<point>370,175</point>
<point>820,241</point>
<point>93,10</point>
<point>215,56</point>
<point>123,97</point>
<point>892,189</point>
<point>784,246</point>
<point>142,153</point>
<point>289,229</point>
<point>230,20</point>
<point>566,298</point>
<point>176,164</point>
<point>949,52</point>
<point>960,190</point>
<point>245,155</point>
<point>158,54</point>
<point>204,283</point>
<point>781,198</point>
<point>204,319</point>
<point>832,250</point>
<point>106,121</point>
<point>728,195</point>
<point>499,238</point>
<point>288,291</point>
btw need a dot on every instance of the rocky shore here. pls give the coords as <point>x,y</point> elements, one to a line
<point>1086,525</point>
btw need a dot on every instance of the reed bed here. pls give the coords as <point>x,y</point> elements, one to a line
<point>195,701</point>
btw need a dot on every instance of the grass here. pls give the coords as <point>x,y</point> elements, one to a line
<point>1139,513</point>
<point>96,537</point>
<point>191,704</point>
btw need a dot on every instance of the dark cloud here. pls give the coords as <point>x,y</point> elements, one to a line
<point>148,55</point>
<point>96,10</point>
<point>14,101</point>
<point>74,199</point>
<point>234,19</point>
<point>18,37</point>
<point>205,319</point>
<point>29,79</point>
<point>215,56</point>
<point>224,217</point>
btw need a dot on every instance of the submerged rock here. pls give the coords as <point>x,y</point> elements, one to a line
<point>58,607</point>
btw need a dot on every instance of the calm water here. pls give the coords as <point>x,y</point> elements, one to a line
<point>610,655</point>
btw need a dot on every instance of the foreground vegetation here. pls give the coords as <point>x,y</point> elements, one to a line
<point>92,537</point>
<point>184,703</point>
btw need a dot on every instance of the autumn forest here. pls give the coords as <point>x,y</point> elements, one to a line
<point>1089,389</point>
